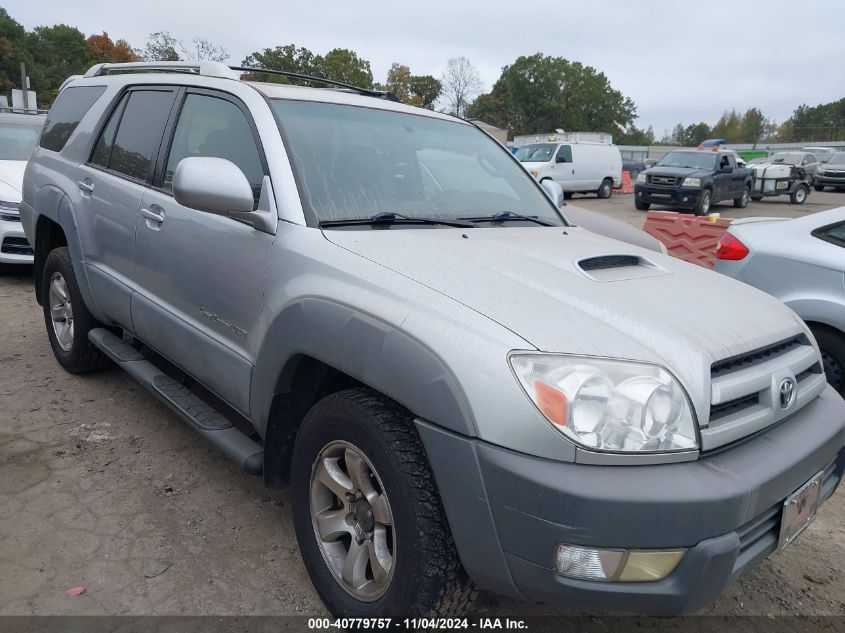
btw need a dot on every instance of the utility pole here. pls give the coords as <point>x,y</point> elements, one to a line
<point>25,86</point>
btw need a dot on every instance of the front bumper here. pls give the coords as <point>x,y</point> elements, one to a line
<point>14,249</point>
<point>508,511</point>
<point>683,198</point>
<point>828,181</point>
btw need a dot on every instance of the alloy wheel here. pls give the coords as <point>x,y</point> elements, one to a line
<point>353,521</point>
<point>61,311</point>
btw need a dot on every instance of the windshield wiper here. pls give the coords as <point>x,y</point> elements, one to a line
<point>388,218</point>
<point>509,216</point>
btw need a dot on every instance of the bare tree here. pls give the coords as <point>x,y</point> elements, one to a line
<point>461,84</point>
<point>203,50</point>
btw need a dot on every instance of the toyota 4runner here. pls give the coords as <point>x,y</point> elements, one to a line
<point>462,389</point>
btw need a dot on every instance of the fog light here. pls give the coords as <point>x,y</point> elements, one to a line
<point>608,565</point>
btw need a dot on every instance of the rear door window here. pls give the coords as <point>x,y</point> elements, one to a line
<point>834,234</point>
<point>66,113</point>
<point>130,140</point>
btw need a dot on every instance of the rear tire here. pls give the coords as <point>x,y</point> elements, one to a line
<point>642,206</point>
<point>423,576</point>
<point>832,345</point>
<point>799,194</point>
<point>742,201</point>
<point>67,318</point>
<point>606,189</point>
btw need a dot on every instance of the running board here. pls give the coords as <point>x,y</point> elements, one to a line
<point>202,417</point>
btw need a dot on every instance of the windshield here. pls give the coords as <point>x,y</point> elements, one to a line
<point>17,141</point>
<point>783,157</point>
<point>539,153</point>
<point>353,163</point>
<point>692,160</point>
<point>838,159</point>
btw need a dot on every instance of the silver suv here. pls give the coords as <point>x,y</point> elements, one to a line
<point>376,304</point>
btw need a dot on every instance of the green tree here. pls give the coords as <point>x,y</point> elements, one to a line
<point>823,122</point>
<point>57,52</point>
<point>539,93</point>
<point>344,65</point>
<point>398,82</point>
<point>425,90</point>
<point>289,58</point>
<point>635,136</point>
<point>13,51</point>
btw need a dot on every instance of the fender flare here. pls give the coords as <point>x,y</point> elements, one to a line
<point>363,347</point>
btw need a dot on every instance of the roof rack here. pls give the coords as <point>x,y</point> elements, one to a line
<point>369,92</point>
<point>218,69</point>
<point>209,69</point>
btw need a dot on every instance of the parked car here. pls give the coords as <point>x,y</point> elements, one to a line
<point>694,180</point>
<point>824,154</point>
<point>18,136</point>
<point>799,261</point>
<point>831,174</point>
<point>578,167</point>
<point>462,389</point>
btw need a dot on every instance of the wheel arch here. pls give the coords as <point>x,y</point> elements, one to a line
<point>316,347</point>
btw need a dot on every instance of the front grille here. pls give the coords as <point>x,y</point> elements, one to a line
<point>608,261</point>
<point>745,389</point>
<point>663,181</point>
<point>757,356</point>
<point>10,217</point>
<point>828,173</point>
<point>16,246</point>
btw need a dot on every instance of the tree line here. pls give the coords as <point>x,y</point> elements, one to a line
<point>536,93</point>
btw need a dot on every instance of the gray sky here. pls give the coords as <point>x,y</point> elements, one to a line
<point>678,61</point>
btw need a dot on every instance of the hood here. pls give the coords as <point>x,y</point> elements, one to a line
<point>678,171</point>
<point>11,179</point>
<point>529,281</point>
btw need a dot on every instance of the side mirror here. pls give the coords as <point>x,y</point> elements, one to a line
<point>213,185</point>
<point>554,191</point>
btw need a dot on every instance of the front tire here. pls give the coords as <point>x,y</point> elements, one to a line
<point>642,206</point>
<point>369,521</point>
<point>606,189</point>
<point>702,207</point>
<point>818,187</point>
<point>832,345</point>
<point>67,318</point>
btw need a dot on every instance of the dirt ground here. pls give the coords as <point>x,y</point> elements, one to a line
<point>101,486</point>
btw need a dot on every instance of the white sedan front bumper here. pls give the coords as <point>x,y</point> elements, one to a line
<point>14,248</point>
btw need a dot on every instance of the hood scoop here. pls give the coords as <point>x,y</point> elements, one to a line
<point>618,267</point>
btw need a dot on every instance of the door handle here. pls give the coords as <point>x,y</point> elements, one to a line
<point>86,185</point>
<point>154,214</point>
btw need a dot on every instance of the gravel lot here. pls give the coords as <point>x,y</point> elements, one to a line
<point>102,487</point>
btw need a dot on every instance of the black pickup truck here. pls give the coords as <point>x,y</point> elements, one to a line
<point>693,180</point>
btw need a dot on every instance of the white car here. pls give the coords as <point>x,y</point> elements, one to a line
<point>18,135</point>
<point>577,167</point>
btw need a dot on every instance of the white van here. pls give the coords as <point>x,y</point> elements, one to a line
<point>578,167</point>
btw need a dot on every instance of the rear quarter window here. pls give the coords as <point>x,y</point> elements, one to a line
<point>835,234</point>
<point>65,115</point>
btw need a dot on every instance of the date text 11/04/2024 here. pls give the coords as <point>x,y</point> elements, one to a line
<point>421,624</point>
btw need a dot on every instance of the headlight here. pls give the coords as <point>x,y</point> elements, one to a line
<point>641,177</point>
<point>609,405</point>
<point>692,182</point>
<point>821,172</point>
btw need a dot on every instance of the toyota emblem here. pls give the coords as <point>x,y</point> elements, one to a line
<point>787,393</point>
